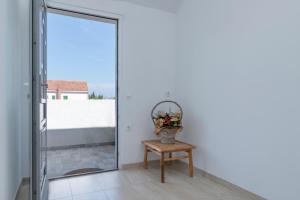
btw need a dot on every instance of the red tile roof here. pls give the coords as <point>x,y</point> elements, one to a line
<point>63,85</point>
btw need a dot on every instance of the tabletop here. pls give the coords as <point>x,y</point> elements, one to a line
<point>160,147</point>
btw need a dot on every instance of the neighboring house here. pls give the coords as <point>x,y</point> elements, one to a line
<point>67,90</point>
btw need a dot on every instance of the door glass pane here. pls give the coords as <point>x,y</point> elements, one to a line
<point>82,72</point>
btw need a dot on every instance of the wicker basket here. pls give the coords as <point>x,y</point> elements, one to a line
<point>167,134</point>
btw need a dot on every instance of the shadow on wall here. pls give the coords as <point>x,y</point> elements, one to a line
<point>80,136</point>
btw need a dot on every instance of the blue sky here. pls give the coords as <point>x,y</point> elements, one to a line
<point>80,49</point>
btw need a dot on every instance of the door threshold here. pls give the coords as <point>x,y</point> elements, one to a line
<point>82,174</point>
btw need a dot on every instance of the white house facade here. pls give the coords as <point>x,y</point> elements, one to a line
<point>67,90</point>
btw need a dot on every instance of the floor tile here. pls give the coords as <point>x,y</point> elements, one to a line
<point>142,184</point>
<point>84,184</point>
<point>122,193</point>
<point>136,176</point>
<point>110,180</point>
<point>91,196</point>
<point>59,189</point>
<point>67,198</point>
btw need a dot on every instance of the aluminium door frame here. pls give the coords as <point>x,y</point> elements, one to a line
<point>116,22</point>
<point>39,187</point>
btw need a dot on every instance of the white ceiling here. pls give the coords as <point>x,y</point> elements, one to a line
<point>166,5</point>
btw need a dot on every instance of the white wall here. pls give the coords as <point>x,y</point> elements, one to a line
<point>81,114</point>
<point>14,58</point>
<point>49,96</point>
<point>25,50</point>
<point>80,136</point>
<point>238,81</point>
<point>146,67</point>
<point>80,122</point>
<point>75,96</point>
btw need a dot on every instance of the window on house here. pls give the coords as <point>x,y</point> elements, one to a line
<point>65,97</point>
<point>53,97</point>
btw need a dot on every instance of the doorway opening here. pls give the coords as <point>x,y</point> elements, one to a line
<point>82,95</point>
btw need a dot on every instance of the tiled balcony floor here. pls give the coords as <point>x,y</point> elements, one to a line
<point>63,161</point>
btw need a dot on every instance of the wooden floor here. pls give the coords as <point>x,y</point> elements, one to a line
<point>139,184</point>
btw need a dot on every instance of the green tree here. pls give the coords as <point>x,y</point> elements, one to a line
<point>95,96</point>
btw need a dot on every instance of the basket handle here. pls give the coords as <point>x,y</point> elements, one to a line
<point>166,101</point>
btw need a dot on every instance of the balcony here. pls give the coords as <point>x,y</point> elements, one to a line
<point>81,137</point>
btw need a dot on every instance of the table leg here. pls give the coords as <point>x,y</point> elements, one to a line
<point>162,168</point>
<point>191,166</point>
<point>146,158</point>
<point>170,156</point>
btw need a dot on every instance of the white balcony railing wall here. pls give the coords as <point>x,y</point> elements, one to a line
<point>81,122</point>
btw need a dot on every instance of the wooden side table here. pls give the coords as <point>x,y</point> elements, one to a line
<point>160,149</point>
